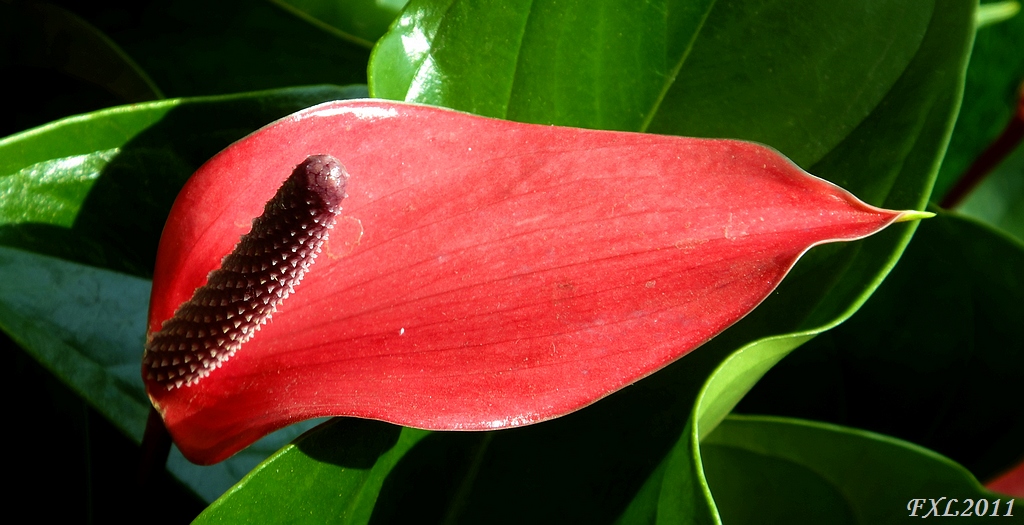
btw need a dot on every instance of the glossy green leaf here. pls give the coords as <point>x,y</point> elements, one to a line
<point>941,335</point>
<point>994,77</point>
<point>360,21</point>
<point>736,69</point>
<point>353,457</point>
<point>65,184</point>
<point>776,470</point>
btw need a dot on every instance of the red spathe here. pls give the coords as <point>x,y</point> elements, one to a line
<point>483,273</point>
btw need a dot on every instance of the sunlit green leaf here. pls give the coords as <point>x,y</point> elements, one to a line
<point>96,188</point>
<point>737,69</point>
<point>352,457</point>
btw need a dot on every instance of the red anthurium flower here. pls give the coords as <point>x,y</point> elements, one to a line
<point>480,273</point>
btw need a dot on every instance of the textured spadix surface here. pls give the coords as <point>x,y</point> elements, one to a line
<point>483,273</point>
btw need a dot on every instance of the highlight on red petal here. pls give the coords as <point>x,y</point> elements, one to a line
<point>482,274</point>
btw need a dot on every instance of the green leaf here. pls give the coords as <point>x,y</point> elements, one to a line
<point>994,77</point>
<point>65,184</point>
<point>588,64</point>
<point>827,286</point>
<point>84,324</point>
<point>196,48</point>
<point>941,335</point>
<point>360,21</point>
<point>736,69</point>
<point>96,189</point>
<point>775,470</point>
<point>343,465</point>
<point>999,199</point>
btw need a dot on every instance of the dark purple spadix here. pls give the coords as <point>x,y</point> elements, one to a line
<point>253,280</point>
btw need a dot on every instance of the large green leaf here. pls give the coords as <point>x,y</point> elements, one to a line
<point>941,335</point>
<point>774,470</point>
<point>632,454</point>
<point>747,69</point>
<point>95,189</point>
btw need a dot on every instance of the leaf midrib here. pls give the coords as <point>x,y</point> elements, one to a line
<point>671,77</point>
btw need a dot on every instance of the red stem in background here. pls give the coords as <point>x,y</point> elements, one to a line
<point>156,446</point>
<point>1010,482</point>
<point>990,158</point>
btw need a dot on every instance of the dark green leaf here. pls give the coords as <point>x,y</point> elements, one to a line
<point>195,48</point>
<point>360,21</point>
<point>85,324</point>
<point>774,470</point>
<point>999,199</point>
<point>941,336</point>
<point>57,64</point>
<point>800,83</point>
<point>590,64</point>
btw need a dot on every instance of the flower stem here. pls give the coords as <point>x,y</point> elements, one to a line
<point>156,446</point>
<point>990,158</point>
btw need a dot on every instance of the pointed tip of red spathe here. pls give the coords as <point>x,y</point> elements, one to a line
<point>483,273</point>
